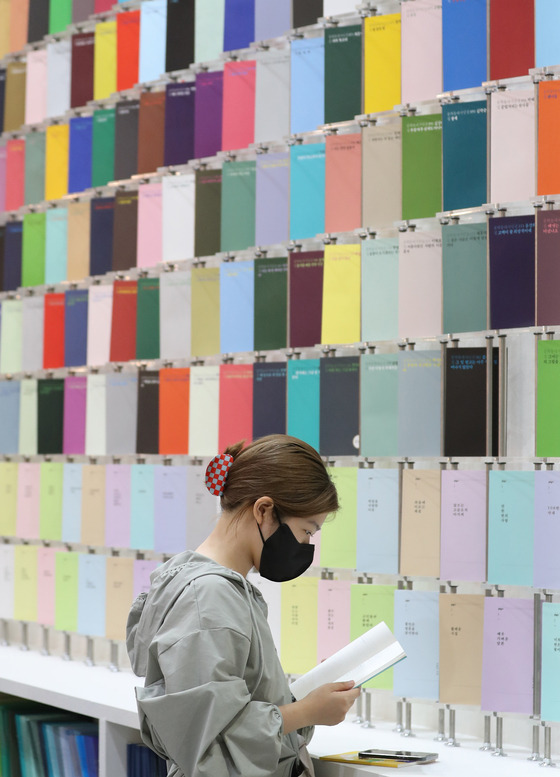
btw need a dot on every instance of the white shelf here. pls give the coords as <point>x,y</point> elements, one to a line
<point>109,697</point>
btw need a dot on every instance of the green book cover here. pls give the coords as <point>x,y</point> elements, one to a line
<point>421,166</point>
<point>238,206</point>
<point>464,277</point>
<point>103,147</point>
<point>50,500</point>
<point>548,391</point>
<point>35,144</point>
<point>147,325</point>
<point>208,212</point>
<point>338,537</point>
<point>379,375</point>
<point>50,407</point>
<point>33,249</point>
<point>271,303</point>
<point>60,15</point>
<point>343,73</point>
<point>369,605</point>
<point>66,592</point>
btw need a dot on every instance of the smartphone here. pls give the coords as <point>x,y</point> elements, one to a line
<point>404,756</point>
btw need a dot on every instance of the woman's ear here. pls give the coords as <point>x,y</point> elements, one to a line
<point>263,509</point>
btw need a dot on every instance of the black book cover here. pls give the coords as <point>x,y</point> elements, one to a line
<point>13,235</point>
<point>126,139</point>
<point>38,24</point>
<point>125,227</point>
<point>465,402</point>
<point>2,96</point>
<point>147,427</point>
<point>179,53</point>
<point>305,12</point>
<point>50,407</point>
<point>269,398</point>
<point>339,415</point>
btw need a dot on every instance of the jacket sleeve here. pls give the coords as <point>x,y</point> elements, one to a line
<point>201,712</point>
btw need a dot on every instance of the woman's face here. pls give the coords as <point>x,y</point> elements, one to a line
<point>305,528</point>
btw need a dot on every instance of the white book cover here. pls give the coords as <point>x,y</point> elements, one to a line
<point>362,659</point>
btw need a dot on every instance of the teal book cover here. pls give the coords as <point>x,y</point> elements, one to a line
<point>511,528</point>
<point>307,190</point>
<point>303,400</point>
<point>238,205</point>
<point>379,377</point>
<point>464,155</point>
<point>380,289</point>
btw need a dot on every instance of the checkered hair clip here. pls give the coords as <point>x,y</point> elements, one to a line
<point>217,472</point>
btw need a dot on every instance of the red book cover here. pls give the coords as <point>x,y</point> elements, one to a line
<point>15,174</point>
<point>174,391</point>
<point>53,333</point>
<point>123,324</point>
<point>236,404</point>
<point>103,5</point>
<point>128,49</point>
<point>238,116</point>
<point>81,89</point>
<point>512,38</point>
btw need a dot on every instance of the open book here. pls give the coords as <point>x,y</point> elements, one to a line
<point>360,660</point>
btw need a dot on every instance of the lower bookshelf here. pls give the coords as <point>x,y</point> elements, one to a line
<point>109,697</point>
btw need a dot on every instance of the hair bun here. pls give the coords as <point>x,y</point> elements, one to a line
<point>235,450</point>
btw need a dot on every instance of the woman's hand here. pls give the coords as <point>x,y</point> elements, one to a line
<point>325,706</point>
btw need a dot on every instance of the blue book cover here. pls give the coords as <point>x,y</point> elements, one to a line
<point>464,29</point>
<point>511,528</point>
<point>269,398</point>
<point>9,412</point>
<point>547,43</point>
<point>142,506</point>
<point>75,327</point>
<point>417,630</point>
<point>237,295</point>
<point>92,753</point>
<point>550,689</point>
<point>153,40</point>
<point>13,238</point>
<point>80,154</point>
<point>56,245</point>
<point>464,145</point>
<point>378,521</point>
<point>101,235</point>
<point>303,400</point>
<point>307,109</point>
<point>419,403</point>
<point>272,215</point>
<point>307,190</point>
<point>91,594</point>
<point>239,24</point>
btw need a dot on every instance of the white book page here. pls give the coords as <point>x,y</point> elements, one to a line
<point>366,656</point>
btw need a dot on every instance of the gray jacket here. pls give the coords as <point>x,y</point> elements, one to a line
<point>213,679</point>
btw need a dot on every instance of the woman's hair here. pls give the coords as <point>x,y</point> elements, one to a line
<point>284,468</point>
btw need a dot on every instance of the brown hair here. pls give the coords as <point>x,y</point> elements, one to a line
<point>284,468</point>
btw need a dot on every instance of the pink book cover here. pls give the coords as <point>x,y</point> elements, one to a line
<point>74,429</point>
<point>149,251</point>
<point>46,585</point>
<point>15,174</point>
<point>117,505</point>
<point>333,617</point>
<point>236,404</point>
<point>343,182</point>
<point>238,114</point>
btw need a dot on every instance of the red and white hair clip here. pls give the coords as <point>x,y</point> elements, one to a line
<point>217,472</point>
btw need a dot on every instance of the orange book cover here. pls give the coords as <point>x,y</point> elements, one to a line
<point>128,49</point>
<point>548,162</point>
<point>174,393</point>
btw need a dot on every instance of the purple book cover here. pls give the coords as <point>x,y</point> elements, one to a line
<point>463,526</point>
<point>208,114</point>
<point>117,505</point>
<point>142,571</point>
<point>512,271</point>
<point>548,267</point>
<point>507,656</point>
<point>170,508</point>
<point>74,434</point>
<point>547,530</point>
<point>306,298</point>
<point>179,123</point>
<point>272,218</point>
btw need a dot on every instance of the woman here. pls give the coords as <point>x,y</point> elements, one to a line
<point>216,702</point>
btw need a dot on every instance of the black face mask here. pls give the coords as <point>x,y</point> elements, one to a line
<point>283,557</point>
